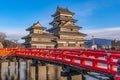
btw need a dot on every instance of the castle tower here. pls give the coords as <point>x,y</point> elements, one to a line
<point>37,38</point>
<point>65,29</point>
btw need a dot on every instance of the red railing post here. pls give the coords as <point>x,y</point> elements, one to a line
<point>25,51</point>
<point>95,63</point>
<point>37,53</point>
<point>72,60</point>
<point>111,65</point>
<point>50,53</point>
<point>56,57</point>
<point>33,52</point>
<point>63,55</point>
<point>46,53</point>
<point>82,56</point>
<point>40,53</point>
<point>108,58</point>
<point>14,52</point>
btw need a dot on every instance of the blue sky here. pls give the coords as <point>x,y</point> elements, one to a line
<point>97,17</point>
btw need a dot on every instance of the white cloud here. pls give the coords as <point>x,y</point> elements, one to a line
<point>107,33</point>
<point>16,35</point>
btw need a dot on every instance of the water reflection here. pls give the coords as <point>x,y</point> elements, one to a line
<point>23,71</point>
<point>10,71</point>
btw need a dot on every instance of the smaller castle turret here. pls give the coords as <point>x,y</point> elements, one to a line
<point>37,38</point>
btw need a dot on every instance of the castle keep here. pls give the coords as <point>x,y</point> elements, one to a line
<point>63,34</point>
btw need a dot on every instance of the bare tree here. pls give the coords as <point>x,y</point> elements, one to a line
<point>9,44</point>
<point>2,36</point>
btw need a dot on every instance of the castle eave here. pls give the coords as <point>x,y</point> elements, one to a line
<point>37,42</point>
<point>31,28</point>
<point>73,33</point>
<point>61,19</point>
<point>62,11</point>
<point>25,37</point>
<point>35,26</point>
<point>74,40</point>
<point>35,35</point>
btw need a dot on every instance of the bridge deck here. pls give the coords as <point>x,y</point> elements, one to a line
<point>96,60</point>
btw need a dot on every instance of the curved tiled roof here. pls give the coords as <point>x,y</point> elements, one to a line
<point>44,35</point>
<point>70,40</point>
<point>62,11</point>
<point>37,42</point>
<point>73,33</point>
<point>35,26</point>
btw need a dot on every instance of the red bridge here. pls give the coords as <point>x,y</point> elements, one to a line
<point>81,61</point>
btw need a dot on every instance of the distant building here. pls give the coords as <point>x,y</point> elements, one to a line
<point>116,45</point>
<point>100,43</point>
<point>63,34</point>
<point>94,45</point>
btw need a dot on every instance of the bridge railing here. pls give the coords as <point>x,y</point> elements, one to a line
<point>6,51</point>
<point>98,60</point>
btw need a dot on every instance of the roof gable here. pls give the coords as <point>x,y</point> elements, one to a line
<point>36,26</point>
<point>62,11</point>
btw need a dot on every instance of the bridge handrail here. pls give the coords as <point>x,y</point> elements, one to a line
<point>90,59</point>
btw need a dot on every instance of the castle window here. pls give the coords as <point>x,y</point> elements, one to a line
<point>71,44</point>
<point>66,16</point>
<point>71,29</point>
<point>34,46</point>
<point>31,31</point>
<point>81,45</point>
<point>60,44</point>
<point>39,39</point>
<point>54,25</point>
<point>48,46</point>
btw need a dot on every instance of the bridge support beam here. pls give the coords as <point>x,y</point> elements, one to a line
<point>72,74</point>
<point>16,70</point>
<point>11,71</point>
<point>69,77</point>
<point>66,72</point>
<point>28,64</point>
<point>19,61</point>
<point>4,71</point>
<point>32,73</point>
<point>42,75</point>
<point>83,77</point>
<point>51,72</point>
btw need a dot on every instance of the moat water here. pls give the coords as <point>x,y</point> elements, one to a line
<point>12,74</point>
